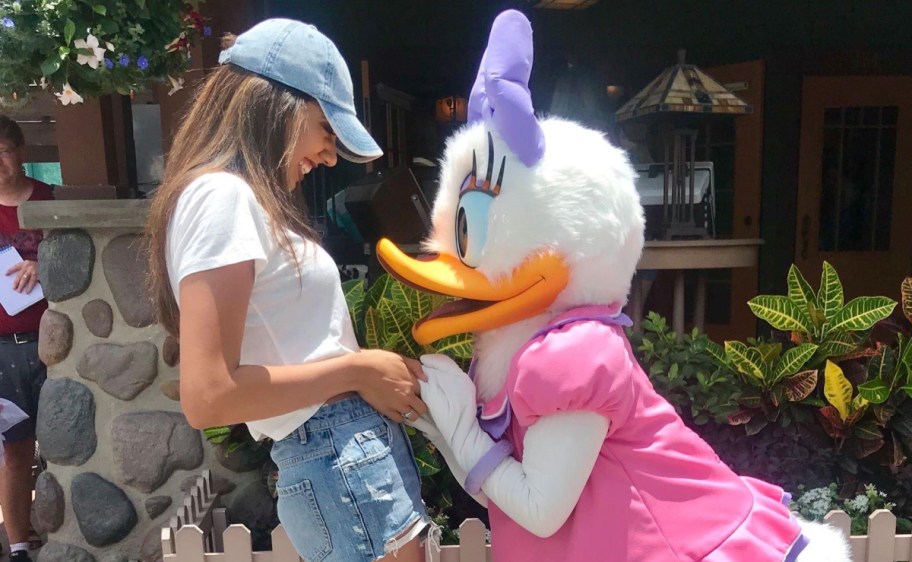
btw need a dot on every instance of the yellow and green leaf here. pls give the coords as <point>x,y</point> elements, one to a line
<point>905,358</point>
<point>354,297</point>
<point>397,329</point>
<point>874,391</point>
<point>857,408</point>
<point>747,360</point>
<point>799,290</point>
<point>837,389</point>
<point>781,313</point>
<point>717,352</point>
<point>458,346</point>
<point>372,328</point>
<point>427,462</point>
<point>838,345</point>
<point>377,291</point>
<point>792,360</point>
<point>770,352</point>
<point>829,296</point>
<point>881,367</point>
<point>861,313</point>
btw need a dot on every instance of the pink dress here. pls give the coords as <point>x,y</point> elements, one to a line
<point>658,492</point>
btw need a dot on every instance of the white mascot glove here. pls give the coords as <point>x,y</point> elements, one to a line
<point>425,424</point>
<point>450,397</point>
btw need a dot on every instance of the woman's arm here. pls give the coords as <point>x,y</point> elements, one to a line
<point>217,390</point>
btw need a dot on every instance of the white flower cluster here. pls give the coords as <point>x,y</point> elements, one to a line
<point>816,503</point>
<point>90,52</point>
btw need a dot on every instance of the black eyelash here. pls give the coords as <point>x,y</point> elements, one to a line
<point>486,186</point>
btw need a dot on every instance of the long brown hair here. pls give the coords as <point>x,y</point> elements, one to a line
<point>241,123</point>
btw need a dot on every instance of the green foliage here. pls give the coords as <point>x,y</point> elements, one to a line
<point>838,329</point>
<point>809,379</point>
<point>96,47</point>
<point>384,313</point>
<point>685,372</point>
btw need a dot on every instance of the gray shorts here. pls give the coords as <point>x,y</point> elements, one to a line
<point>21,376</point>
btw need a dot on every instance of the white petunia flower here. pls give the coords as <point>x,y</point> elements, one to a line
<point>177,84</point>
<point>90,43</point>
<point>68,95</point>
<point>43,83</point>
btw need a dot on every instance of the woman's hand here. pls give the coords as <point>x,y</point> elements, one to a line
<point>390,383</point>
<point>26,276</point>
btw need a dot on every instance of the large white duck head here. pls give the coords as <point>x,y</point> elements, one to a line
<point>532,218</point>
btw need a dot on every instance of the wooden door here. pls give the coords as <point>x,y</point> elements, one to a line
<point>738,165</point>
<point>855,181</point>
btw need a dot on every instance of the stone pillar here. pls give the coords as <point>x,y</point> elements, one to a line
<point>119,451</point>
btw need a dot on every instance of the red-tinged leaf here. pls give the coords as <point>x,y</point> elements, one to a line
<point>898,457</point>
<point>855,416</point>
<point>798,338</point>
<point>907,297</point>
<point>830,420</point>
<point>883,413</point>
<point>756,424</point>
<point>867,430</point>
<point>864,352</point>
<point>750,402</point>
<point>862,448</point>
<point>800,385</point>
<point>741,417</point>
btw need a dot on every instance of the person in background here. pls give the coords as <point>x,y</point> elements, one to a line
<point>21,372</point>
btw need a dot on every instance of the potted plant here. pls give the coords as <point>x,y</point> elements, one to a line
<point>82,48</point>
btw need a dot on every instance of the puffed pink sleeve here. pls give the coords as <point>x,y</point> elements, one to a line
<point>585,366</point>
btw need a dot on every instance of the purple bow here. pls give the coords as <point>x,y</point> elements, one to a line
<point>501,91</point>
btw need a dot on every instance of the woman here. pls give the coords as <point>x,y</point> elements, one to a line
<point>21,372</point>
<point>266,336</point>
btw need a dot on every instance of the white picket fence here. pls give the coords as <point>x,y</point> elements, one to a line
<point>199,533</point>
<point>881,544</point>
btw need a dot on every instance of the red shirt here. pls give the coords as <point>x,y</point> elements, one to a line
<point>26,243</point>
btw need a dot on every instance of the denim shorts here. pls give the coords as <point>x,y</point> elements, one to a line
<point>349,488</point>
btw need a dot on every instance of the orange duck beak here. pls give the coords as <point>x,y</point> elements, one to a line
<point>482,305</point>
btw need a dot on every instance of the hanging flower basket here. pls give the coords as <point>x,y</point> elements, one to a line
<point>88,48</point>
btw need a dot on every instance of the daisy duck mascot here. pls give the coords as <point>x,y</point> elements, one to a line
<point>537,230</point>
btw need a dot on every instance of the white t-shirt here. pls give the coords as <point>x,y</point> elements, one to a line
<point>290,319</point>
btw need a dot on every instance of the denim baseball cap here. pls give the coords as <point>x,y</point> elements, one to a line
<point>299,56</point>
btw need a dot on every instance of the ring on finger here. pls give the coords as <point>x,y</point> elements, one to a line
<point>409,415</point>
